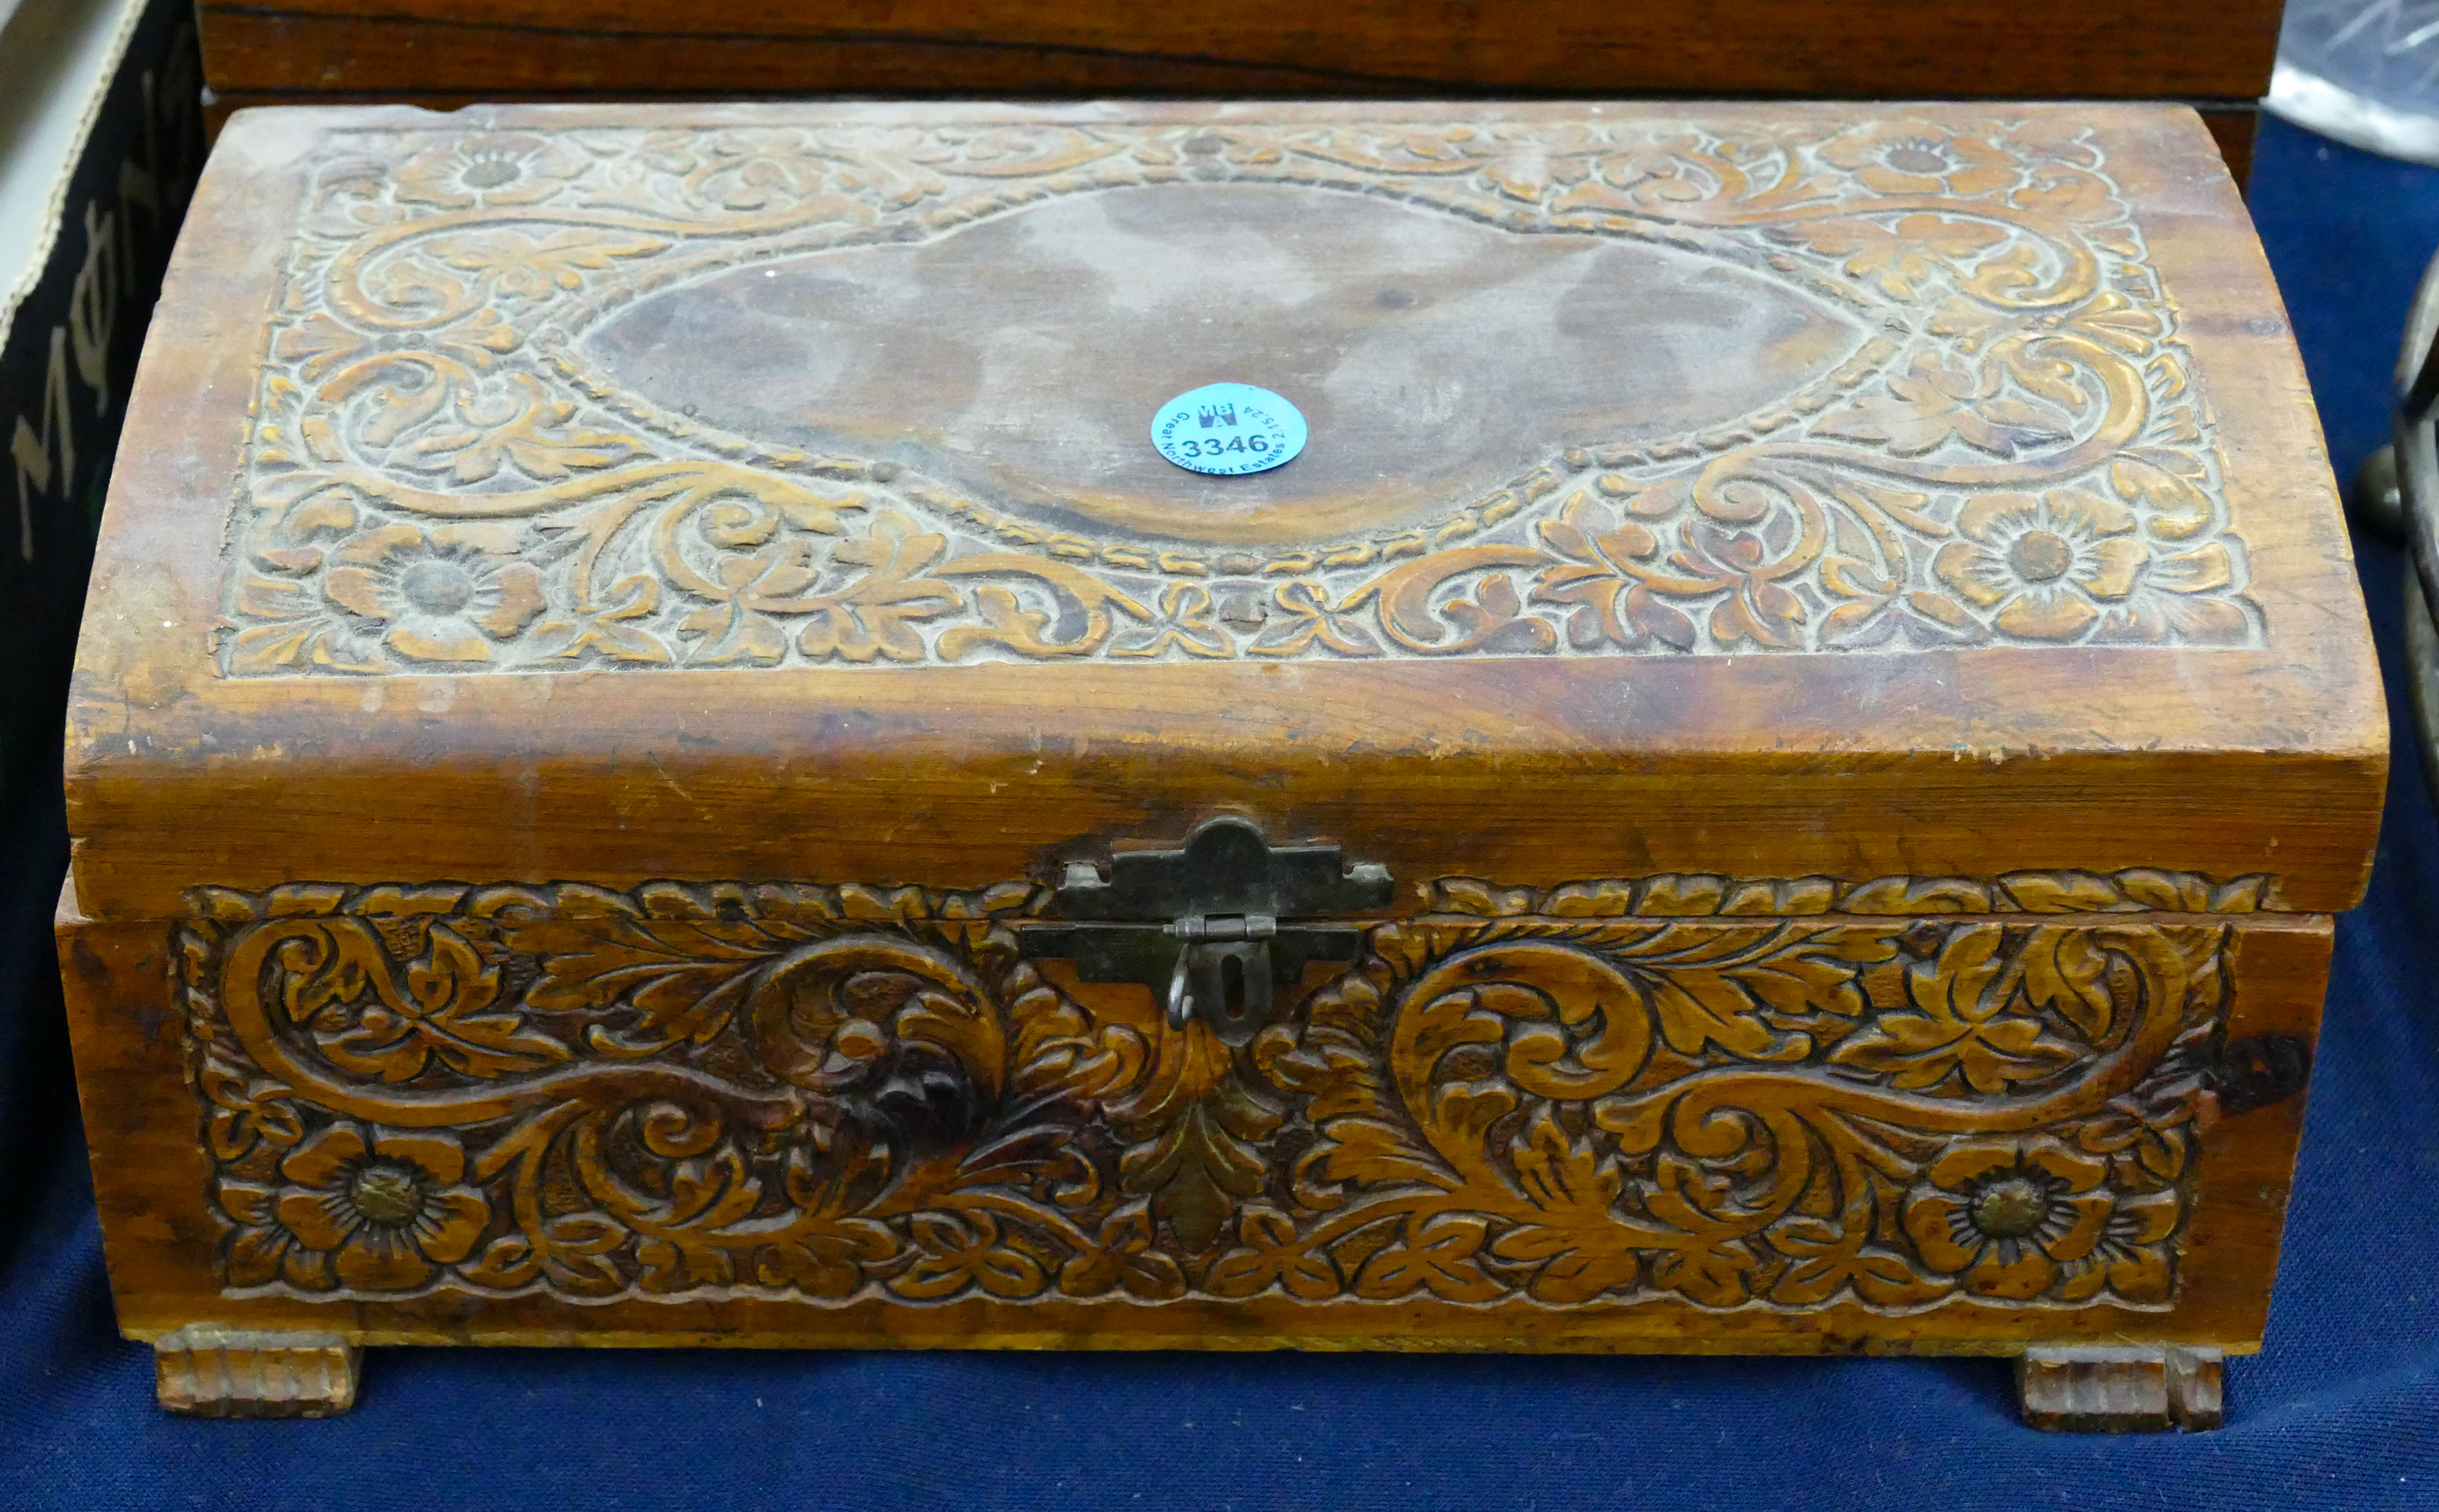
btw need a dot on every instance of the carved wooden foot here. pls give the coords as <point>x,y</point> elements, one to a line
<point>2118,1389</point>
<point>213,1372</point>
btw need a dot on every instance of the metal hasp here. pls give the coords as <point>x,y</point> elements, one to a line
<point>1213,928</point>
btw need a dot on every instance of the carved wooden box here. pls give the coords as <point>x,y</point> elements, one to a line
<point>658,759</point>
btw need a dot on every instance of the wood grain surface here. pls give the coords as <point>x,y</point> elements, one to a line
<point>1804,47</point>
<point>444,54</point>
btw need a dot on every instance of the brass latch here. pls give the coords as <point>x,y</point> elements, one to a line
<point>1212,927</point>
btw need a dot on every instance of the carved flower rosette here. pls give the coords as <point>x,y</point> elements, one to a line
<point>1906,1095</point>
<point>2014,451</point>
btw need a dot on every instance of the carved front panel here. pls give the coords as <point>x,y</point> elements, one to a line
<point>854,395</point>
<point>1913,1095</point>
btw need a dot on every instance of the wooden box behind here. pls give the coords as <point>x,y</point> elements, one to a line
<point>454,52</point>
<point>1788,750</point>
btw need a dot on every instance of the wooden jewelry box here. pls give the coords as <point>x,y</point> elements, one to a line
<point>658,759</point>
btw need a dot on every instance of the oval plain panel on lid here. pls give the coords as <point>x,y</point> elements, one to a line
<point>1434,357</point>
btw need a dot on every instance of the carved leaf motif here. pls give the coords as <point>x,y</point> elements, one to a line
<point>1937,400</point>
<point>1437,1256</point>
<point>2074,892</point>
<point>244,1111</point>
<point>666,1267</point>
<point>1057,1048</point>
<point>1364,1142</point>
<point>523,266</point>
<point>1492,619</point>
<point>508,1262</point>
<point>1901,256</point>
<point>681,970</point>
<point>1576,1192</point>
<point>826,1259</point>
<point>2011,273</point>
<point>1663,621</point>
<point>1369,1152</point>
<point>575,1253</point>
<point>454,989</point>
<point>1713,1266</point>
<point>1123,1258</point>
<point>2066,969</point>
<point>1007,621</point>
<point>1726,988</point>
<point>1965,1027</point>
<point>1307,620</point>
<point>1195,1133</point>
<point>2114,318</point>
<point>875,616</point>
<point>2161,479</point>
<point>1272,1255</point>
<point>609,628</point>
<point>1405,595</point>
<point>730,633</point>
<point>1829,1261</point>
<point>2067,192</point>
<point>320,344</point>
<point>1811,981</point>
<point>1572,1271</point>
<point>1699,1009</point>
<point>365,1019</point>
<point>300,644</point>
<point>392,410</point>
<point>526,428</point>
<point>957,1252</point>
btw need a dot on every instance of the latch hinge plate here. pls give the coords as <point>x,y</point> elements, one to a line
<point>1203,925</point>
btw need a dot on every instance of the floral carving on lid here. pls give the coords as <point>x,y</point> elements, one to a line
<point>2016,453</point>
<point>1922,157</point>
<point>501,169</point>
<point>448,595</point>
<point>2044,565</point>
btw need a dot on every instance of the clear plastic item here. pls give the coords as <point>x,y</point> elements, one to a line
<point>2365,72</point>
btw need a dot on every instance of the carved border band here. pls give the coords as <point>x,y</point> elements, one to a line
<point>437,481</point>
<point>824,1094</point>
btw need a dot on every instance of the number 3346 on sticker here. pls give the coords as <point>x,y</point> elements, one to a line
<point>1227,428</point>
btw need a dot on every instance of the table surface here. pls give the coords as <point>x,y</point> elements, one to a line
<point>2335,1413</point>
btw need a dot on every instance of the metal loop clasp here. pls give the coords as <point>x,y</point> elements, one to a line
<point>1202,925</point>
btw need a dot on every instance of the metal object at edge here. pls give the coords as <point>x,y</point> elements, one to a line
<point>2415,458</point>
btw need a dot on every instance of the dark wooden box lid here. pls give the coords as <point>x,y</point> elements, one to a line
<point>715,492</point>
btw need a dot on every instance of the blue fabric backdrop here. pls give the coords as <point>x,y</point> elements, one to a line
<point>2338,1411</point>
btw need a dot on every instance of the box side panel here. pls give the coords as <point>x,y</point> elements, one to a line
<point>141,1128</point>
<point>846,1116</point>
<point>2247,1159</point>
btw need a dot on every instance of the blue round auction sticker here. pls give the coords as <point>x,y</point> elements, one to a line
<point>1228,429</point>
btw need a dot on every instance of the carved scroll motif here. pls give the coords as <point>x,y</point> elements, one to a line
<point>439,482</point>
<point>1946,1092</point>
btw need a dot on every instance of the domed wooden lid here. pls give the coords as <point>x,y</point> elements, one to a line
<point>1773,491</point>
